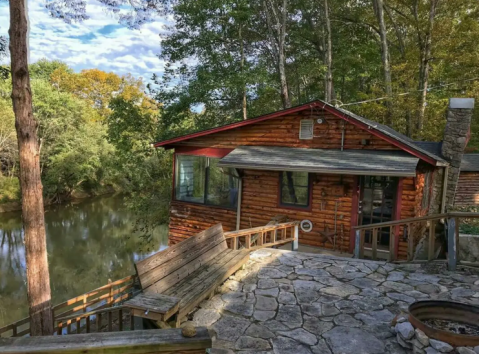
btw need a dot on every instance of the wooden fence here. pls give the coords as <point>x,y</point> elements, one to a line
<point>106,296</point>
<point>412,229</point>
<point>264,236</point>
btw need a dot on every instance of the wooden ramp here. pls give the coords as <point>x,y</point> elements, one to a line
<point>189,271</point>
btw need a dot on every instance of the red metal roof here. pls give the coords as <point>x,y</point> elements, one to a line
<point>376,129</point>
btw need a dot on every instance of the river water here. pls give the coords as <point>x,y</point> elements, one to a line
<point>88,243</point>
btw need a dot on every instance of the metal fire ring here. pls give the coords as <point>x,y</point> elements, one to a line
<point>449,311</point>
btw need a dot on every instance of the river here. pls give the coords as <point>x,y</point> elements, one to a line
<point>88,243</point>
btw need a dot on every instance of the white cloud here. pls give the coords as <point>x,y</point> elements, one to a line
<point>99,42</point>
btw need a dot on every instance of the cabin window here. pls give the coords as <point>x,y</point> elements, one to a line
<point>199,179</point>
<point>295,189</point>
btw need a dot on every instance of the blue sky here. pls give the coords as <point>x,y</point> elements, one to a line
<point>99,42</point>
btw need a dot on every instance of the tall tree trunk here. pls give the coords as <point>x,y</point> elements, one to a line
<point>242,62</point>
<point>277,38</point>
<point>424,67</point>
<point>379,10</point>
<point>38,277</point>
<point>328,56</point>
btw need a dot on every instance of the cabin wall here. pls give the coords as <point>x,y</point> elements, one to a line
<point>188,219</point>
<point>284,131</point>
<point>467,193</point>
<point>260,203</point>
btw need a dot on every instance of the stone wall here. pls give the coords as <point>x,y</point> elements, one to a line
<point>455,140</point>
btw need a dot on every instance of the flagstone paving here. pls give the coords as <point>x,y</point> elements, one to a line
<point>290,302</point>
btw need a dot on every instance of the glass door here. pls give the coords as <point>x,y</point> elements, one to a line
<point>377,202</point>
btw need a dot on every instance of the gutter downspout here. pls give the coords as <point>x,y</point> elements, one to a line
<point>444,189</point>
<point>238,208</point>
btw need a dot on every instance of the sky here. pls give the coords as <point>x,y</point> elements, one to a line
<point>99,42</point>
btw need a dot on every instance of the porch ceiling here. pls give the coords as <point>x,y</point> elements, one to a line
<point>353,162</point>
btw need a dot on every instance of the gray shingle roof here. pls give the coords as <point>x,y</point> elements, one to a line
<point>357,162</point>
<point>432,146</point>
<point>394,134</point>
<point>470,163</point>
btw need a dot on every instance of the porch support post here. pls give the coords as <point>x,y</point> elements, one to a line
<point>294,244</point>
<point>451,244</point>
<point>357,244</point>
<point>238,208</point>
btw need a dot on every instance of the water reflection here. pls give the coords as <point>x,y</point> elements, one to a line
<point>88,243</point>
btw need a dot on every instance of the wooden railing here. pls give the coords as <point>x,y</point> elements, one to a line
<point>106,296</point>
<point>264,236</point>
<point>411,230</point>
<point>161,341</point>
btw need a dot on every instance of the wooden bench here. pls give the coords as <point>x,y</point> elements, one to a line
<point>164,341</point>
<point>191,270</point>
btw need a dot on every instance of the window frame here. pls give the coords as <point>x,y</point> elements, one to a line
<point>215,155</point>
<point>282,205</point>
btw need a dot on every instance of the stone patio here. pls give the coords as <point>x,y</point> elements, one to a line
<point>300,303</point>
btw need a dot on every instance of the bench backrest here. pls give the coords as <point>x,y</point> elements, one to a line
<point>164,269</point>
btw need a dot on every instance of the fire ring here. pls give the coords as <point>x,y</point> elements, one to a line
<point>442,320</point>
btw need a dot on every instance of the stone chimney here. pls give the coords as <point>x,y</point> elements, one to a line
<point>456,136</point>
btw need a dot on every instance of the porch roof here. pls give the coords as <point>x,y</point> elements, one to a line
<point>354,162</point>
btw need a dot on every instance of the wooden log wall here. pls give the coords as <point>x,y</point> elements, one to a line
<point>260,204</point>
<point>284,131</point>
<point>187,219</point>
<point>467,193</point>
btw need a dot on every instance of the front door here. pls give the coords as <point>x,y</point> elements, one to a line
<point>377,200</point>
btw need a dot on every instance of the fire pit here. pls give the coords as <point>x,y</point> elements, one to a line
<point>447,321</point>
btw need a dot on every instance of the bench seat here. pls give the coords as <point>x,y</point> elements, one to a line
<point>192,269</point>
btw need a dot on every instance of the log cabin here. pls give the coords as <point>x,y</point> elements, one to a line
<point>318,164</point>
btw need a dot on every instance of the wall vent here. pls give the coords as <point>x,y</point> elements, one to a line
<point>306,129</point>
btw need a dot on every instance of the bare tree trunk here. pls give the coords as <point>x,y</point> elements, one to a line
<point>424,67</point>
<point>242,62</point>
<point>277,36</point>
<point>379,10</point>
<point>38,277</point>
<point>328,56</point>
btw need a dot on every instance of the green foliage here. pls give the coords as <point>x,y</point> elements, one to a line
<point>9,189</point>
<point>468,226</point>
<point>44,68</point>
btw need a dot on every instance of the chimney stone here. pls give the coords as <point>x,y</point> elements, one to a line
<point>456,134</point>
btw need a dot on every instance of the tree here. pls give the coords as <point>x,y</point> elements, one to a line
<point>38,277</point>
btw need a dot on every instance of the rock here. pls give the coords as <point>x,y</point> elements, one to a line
<point>263,316</point>
<point>252,343</point>
<point>259,331</point>
<point>243,309</point>
<point>399,287</point>
<point>290,261</point>
<point>301,336</point>
<point>273,292</point>
<point>233,296</point>
<point>221,351</point>
<point>464,350</point>
<point>402,342</point>
<point>401,297</point>
<point>306,285</point>
<point>346,320</point>
<point>405,329</point>
<point>321,348</point>
<point>307,296</point>
<point>431,350</point>
<point>461,292</point>
<point>476,349</point>
<point>395,276</point>
<point>370,293</point>
<point>316,326</point>
<point>441,347</point>
<point>286,287</point>
<point>290,315</point>
<point>284,345</point>
<point>313,272</point>
<point>248,288</point>
<point>270,273</point>
<point>421,337</point>
<point>263,253</point>
<point>286,298</point>
<point>374,317</point>
<point>341,291</point>
<point>367,304</point>
<point>215,303</point>
<point>275,326</point>
<point>416,350</point>
<point>312,310</point>
<point>266,284</point>
<point>427,278</point>
<point>188,331</point>
<point>328,281</point>
<point>329,310</point>
<point>364,283</point>
<point>205,317</point>
<point>230,328</point>
<point>265,303</point>
<point>352,340</point>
